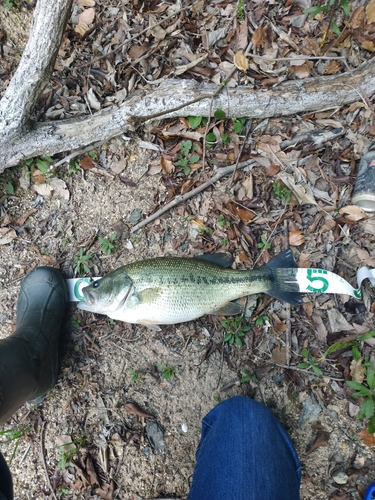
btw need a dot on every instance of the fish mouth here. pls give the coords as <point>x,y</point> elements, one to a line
<point>90,297</point>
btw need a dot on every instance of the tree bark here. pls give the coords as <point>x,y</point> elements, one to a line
<point>21,140</point>
<point>35,68</point>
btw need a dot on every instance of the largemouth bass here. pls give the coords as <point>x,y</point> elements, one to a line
<point>169,290</point>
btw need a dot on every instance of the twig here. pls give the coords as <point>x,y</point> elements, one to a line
<point>239,155</point>
<point>78,152</point>
<point>44,460</point>
<point>137,35</point>
<point>180,198</point>
<point>305,371</point>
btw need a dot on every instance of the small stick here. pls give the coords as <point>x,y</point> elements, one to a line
<point>44,460</point>
<point>180,198</point>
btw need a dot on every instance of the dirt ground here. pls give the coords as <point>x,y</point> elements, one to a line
<point>106,365</point>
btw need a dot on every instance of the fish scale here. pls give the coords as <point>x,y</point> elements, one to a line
<point>168,290</point>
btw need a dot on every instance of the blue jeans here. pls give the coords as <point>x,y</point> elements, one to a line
<point>244,453</point>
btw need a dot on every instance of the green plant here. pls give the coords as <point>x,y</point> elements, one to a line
<point>367,405</point>
<point>261,320</point>
<point>135,377</point>
<point>108,243</point>
<point>222,222</point>
<point>282,192</point>
<point>196,121</point>
<point>264,243</point>
<point>235,330</point>
<point>10,435</point>
<point>247,376</point>
<point>187,158</point>
<point>167,372</point>
<point>9,187</point>
<point>81,262</point>
<point>240,9</point>
<point>224,242</point>
<point>93,154</point>
<point>67,452</point>
<point>353,343</point>
<point>74,167</point>
<point>329,8</point>
<point>76,322</point>
<point>43,163</point>
<point>238,124</point>
<point>309,362</point>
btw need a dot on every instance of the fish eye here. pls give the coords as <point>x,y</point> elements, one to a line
<point>96,284</point>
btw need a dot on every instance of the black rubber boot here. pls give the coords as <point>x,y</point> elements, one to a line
<point>29,361</point>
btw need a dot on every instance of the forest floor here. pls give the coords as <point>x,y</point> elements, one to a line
<point>88,438</point>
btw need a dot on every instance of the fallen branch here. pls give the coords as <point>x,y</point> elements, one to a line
<point>20,139</point>
<point>181,198</point>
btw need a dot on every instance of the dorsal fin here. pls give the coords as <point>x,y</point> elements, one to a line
<point>220,259</point>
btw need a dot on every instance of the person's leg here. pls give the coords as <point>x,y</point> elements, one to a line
<point>6,484</point>
<point>29,357</point>
<point>244,453</point>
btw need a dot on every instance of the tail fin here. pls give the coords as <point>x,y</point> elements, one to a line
<point>285,286</point>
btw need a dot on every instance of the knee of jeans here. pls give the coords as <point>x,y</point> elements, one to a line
<point>240,405</point>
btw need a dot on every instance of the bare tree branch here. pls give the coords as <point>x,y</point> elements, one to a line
<point>35,68</point>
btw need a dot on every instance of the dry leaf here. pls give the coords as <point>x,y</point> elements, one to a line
<point>7,235</point>
<point>279,355</point>
<point>240,61</point>
<point>167,165</point>
<point>86,3</point>
<point>332,68</point>
<point>137,51</point>
<point>368,45</point>
<point>321,439</point>
<point>259,37</point>
<point>352,213</point>
<point>86,163</point>
<point>302,71</point>
<point>135,409</point>
<point>272,170</point>
<point>296,238</point>
<point>367,438</point>
<point>87,16</point>
<point>357,372</point>
<point>56,188</point>
<point>370,11</point>
<point>81,28</point>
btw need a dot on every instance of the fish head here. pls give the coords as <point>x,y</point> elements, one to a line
<point>107,294</point>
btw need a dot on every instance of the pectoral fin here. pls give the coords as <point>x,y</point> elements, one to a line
<point>149,324</point>
<point>149,295</point>
<point>229,309</point>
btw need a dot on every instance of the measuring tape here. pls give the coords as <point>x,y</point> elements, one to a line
<point>309,280</point>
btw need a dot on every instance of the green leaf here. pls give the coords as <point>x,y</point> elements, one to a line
<point>194,158</point>
<point>335,28</point>
<point>367,335</point>
<point>227,337</point>
<point>185,146</point>
<point>345,8</point>
<point>370,377</point>
<point>316,369</point>
<point>211,137</point>
<point>367,407</point>
<point>194,121</point>
<point>356,385</point>
<point>238,341</point>
<point>219,114</point>
<point>356,353</point>
<point>9,187</point>
<point>314,11</point>
<point>303,365</point>
<point>237,126</point>
<point>305,353</point>
<point>371,425</point>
